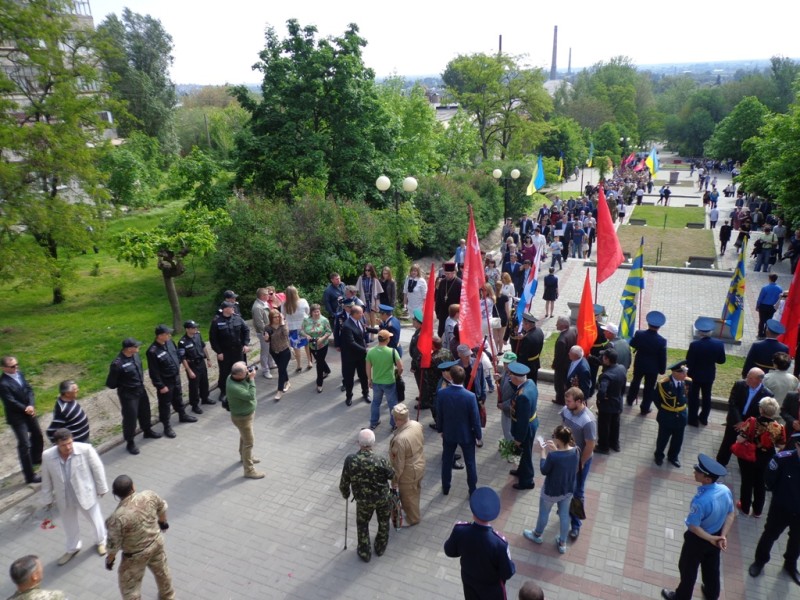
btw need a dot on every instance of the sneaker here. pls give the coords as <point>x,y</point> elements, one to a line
<point>66,557</point>
<point>255,475</point>
<point>533,536</point>
<point>267,375</point>
<point>101,549</point>
<point>562,546</point>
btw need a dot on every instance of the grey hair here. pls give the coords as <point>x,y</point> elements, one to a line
<point>366,438</point>
<point>577,350</point>
<point>65,386</point>
<point>239,368</point>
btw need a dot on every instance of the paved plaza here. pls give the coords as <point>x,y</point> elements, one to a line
<point>283,537</point>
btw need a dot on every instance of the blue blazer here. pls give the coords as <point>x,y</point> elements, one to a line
<point>457,414</point>
<point>703,357</point>
<point>651,352</point>
<point>583,374</point>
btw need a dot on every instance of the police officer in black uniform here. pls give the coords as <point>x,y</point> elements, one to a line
<point>529,346</point>
<point>601,344</point>
<point>164,367</point>
<point>192,352</point>
<point>783,480</point>
<point>231,297</point>
<point>126,375</point>
<point>230,339</point>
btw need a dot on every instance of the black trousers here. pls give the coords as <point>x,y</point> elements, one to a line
<point>650,380</point>
<point>559,383</point>
<point>198,387</point>
<point>779,519</point>
<point>765,313</point>
<point>282,359</point>
<point>322,367</point>
<point>135,406</point>
<point>30,443</point>
<point>172,398</point>
<point>349,370</point>
<point>225,368</point>
<point>699,411</point>
<point>724,452</point>
<point>696,553</point>
<point>608,430</point>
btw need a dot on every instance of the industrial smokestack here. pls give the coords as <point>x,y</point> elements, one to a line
<point>555,53</point>
<point>569,64</point>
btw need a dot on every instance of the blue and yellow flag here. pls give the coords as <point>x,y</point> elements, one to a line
<point>652,162</point>
<point>634,285</point>
<point>733,311</point>
<point>537,178</point>
<point>591,155</point>
<point>561,167</point>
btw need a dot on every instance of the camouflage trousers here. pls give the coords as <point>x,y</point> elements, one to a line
<point>131,572</point>
<point>364,511</point>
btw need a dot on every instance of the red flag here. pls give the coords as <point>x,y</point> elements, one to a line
<point>469,316</point>
<point>586,325</point>
<point>609,251</point>
<point>791,315</point>
<point>630,160</point>
<point>425,340</point>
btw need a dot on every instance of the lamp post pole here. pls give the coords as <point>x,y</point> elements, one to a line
<point>498,174</point>
<point>409,185</point>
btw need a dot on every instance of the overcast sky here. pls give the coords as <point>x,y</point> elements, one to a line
<point>218,42</point>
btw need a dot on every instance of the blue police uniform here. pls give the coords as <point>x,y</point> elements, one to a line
<point>765,305</point>
<point>524,423</point>
<point>783,479</point>
<point>709,510</point>
<point>649,362</point>
<point>486,562</point>
<point>393,324</point>
<point>702,359</point>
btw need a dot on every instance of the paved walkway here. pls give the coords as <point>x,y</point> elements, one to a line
<point>283,536</point>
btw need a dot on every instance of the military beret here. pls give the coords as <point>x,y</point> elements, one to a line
<point>655,318</point>
<point>418,317</point>
<point>485,504</point>
<point>444,366</point>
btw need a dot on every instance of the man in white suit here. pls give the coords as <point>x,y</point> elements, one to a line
<point>74,477</point>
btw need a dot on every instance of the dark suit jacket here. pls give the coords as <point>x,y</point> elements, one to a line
<point>651,352</point>
<point>583,376</point>
<point>760,355</point>
<point>566,340</point>
<point>738,399</point>
<point>790,411</point>
<point>353,342</point>
<point>457,415</point>
<point>529,348</point>
<point>703,357</point>
<point>15,398</point>
<point>610,389</point>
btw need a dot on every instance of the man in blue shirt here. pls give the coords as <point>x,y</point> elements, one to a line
<point>765,305</point>
<point>711,516</point>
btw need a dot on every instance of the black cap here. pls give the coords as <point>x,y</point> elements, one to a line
<point>131,343</point>
<point>230,294</point>
<point>228,305</point>
<point>679,366</point>
<point>163,329</point>
<point>190,325</point>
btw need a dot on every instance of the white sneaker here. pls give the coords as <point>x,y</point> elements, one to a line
<point>267,375</point>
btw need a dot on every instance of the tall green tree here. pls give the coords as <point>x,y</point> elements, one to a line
<point>741,124</point>
<point>459,145</point>
<point>192,232</point>
<point>138,54</point>
<point>565,137</point>
<point>49,185</point>
<point>319,123</point>
<point>503,98</point>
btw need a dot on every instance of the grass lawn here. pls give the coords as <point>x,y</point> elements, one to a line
<point>727,374</point>
<point>676,245</point>
<point>677,217</point>
<point>79,338</point>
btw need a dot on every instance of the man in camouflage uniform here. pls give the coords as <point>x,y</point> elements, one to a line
<point>368,475</point>
<point>27,573</point>
<point>135,529</point>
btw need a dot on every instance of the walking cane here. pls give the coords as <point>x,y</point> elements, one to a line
<point>346,515</point>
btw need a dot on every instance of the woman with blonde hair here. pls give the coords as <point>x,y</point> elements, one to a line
<point>414,290</point>
<point>296,309</point>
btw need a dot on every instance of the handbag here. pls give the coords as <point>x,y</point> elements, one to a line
<point>745,450</point>
<point>576,508</point>
<point>482,413</point>
<point>400,386</point>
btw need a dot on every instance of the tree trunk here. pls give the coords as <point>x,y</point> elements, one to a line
<point>58,294</point>
<point>174,303</point>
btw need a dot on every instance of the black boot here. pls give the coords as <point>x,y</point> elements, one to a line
<point>131,446</point>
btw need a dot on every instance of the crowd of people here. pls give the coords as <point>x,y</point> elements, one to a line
<point>359,322</point>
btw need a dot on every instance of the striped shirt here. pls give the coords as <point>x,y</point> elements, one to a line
<point>69,415</point>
